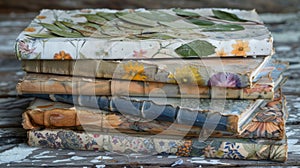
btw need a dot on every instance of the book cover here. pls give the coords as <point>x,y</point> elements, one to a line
<point>230,72</point>
<point>225,115</point>
<point>141,33</point>
<point>268,122</point>
<point>263,88</point>
<point>229,148</point>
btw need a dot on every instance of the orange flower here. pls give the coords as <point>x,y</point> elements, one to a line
<point>221,53</point>
<point>240,48</point>
<point>41,17</point>
<point>134,71</point>
<point>62,55</point>
<point>30,29</point>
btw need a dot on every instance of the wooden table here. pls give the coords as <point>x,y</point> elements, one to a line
<point>15,153</point>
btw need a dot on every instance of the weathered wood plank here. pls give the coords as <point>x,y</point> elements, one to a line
<point>262,6</point>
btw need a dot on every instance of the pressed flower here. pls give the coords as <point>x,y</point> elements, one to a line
<point>134,71</point>
<point>262,129</point>
<point>240,48</point>
<point>209,151</point>
<point>24,48</point>
<point>186,75</point>
<point>221,53</point>
<point>41,17</point>
<point>139,54</point>
<point>224,79</point>
<point>62,55</point>
<point>30,29</point>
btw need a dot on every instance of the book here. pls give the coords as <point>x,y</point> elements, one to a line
<point>222,115</point>
<point>140,33</point>
<point>268,122</point>
<point>230,72</point>
<point>263,88</point>
<point>229,148</point>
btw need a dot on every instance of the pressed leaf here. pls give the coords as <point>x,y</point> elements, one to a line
<point>227,16</point>
<point>135,19</point>
<point>40,35</point>
<point>181,12</point>
<point>155,36</point>
<point>67,34</point>
<point>107,16</point>
<point>60,25</point>
<point>224,27</point>
<point>198,48</point>
<point>158,16</point>
<point>179,24</point>
<point>90,26</point>
<point>93,18</point>
<point>200,22</point>
<point>127,25</point>
<point>50,27</point>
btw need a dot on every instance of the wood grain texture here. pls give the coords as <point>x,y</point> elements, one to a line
<point>261,6</point>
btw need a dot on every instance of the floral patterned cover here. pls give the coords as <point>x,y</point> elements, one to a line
<point>249,149</point>
<point>230,72</point>
<point>264,87</point>
<point>144,34</point>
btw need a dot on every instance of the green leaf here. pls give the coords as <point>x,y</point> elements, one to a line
<point>40,35</point>
<point>200,22</point>
<point>198,48</point>
<point>50,27</point>
<point>60,25</point>
<point>158,16</point>
<point>227,16</point>
<point>224,27</point>
<point>107,16</point>
<point>93,18</point>
<point>133,18</point>
<point>155,36</point>
<point>183,13</point>
<point>90,26</point>
<point>180,24</point>
<point>67,34</point>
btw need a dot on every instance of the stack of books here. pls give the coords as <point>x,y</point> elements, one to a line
<point>190,82</point>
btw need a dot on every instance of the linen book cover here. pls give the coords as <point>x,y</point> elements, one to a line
<point>268,79</point>
<point>225,115</point>
<point>268,122</point>
<point>141,33</point>
<point>230,148</point>
<point>229,72</point>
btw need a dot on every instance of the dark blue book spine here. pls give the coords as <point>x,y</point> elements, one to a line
<point>143,109</point>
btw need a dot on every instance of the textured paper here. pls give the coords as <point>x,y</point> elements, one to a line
<point>143,34</point>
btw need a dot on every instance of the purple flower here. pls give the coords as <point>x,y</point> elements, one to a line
<point>224,79</point>
<point>24,48</point>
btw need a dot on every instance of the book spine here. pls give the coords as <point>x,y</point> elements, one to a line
<point>210,148</point>
<point>150,110</point>
<point>188,72</point>
<point>262,126</point>
<point>45,84</point>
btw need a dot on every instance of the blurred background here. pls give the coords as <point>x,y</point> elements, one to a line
<point>262,6</point>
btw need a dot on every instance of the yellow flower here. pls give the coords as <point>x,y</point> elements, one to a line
<point>30,29</point>
<point>41,17</point>
<point>240,48</point>
<point>134,71</point>
<point>221,53</point>
<point>62,55</point>
<point>186,75</point>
